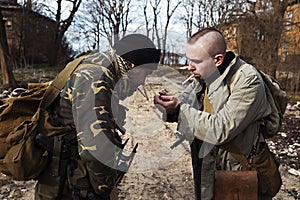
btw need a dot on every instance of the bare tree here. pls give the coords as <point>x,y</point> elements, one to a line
<point>188,16</point>
<point>169,14</point>
<point>215,13</point>
<point>155,10</point>
<point>88,25</point>
<point>161,38</point>
<point>61,26</point>
<point>5,61</point>
<point>146,17</point>
<point>261,30</point>
<point>256,26</point>
<point>109,18</point>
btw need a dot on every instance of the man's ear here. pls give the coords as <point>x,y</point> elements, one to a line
<point>218,59</point>
<point>130,64</point>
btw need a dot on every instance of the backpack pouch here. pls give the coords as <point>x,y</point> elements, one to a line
<point>24,159</point>
<point>266,166</point>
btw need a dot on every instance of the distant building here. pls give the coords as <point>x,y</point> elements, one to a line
<point>255,35</point>
<point>28,33</point>
<point>290,42</point>
<point>289,45</point>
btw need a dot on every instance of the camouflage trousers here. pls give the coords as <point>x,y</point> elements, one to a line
<point>50,187</point>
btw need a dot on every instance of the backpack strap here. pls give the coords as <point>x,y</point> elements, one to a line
<point>236,154</point>
<point>59,82</point>
<point>235,76</point>
<point>230,146</point>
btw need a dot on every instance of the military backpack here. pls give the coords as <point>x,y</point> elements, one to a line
<point>22,118</point>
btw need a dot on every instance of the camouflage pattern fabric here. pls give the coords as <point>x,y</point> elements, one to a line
<point>86,104</point>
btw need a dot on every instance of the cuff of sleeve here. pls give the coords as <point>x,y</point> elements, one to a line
<point>173,117</point>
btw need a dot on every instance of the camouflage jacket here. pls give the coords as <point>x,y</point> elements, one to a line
<point>89,103</point>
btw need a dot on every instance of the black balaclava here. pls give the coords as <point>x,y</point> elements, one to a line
<point>138,49</point>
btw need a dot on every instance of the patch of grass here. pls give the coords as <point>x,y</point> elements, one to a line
<point>36,73</point>
<point>293,98</point>
<point>46,68</point>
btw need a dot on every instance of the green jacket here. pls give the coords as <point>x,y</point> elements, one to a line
<point>237,113</point>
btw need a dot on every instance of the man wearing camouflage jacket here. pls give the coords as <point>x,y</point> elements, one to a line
<point>87,167</point>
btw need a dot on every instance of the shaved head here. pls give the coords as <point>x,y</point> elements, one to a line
<point>211,40</point>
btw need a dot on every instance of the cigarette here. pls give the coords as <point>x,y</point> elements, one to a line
<point>186,80</point>
<point>183,67</point>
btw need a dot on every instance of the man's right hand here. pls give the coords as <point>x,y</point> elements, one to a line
<point>167,101</point>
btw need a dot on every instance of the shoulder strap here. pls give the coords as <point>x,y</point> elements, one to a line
<point>230,146</point>
<point>59,82</point>
<point>234,78</point>
<point>236,154</point>
<point>207,105</point>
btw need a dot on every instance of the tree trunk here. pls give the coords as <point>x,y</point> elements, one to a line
<point>6,66</point>
<point>53,53</point>
<point>60,29</point>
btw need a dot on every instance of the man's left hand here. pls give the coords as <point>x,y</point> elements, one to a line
<point>167,101</point>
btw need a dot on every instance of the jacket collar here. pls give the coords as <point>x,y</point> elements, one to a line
<point>221,77</point>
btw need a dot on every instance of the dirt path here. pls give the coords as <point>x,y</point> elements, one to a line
<point>161,173</point>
